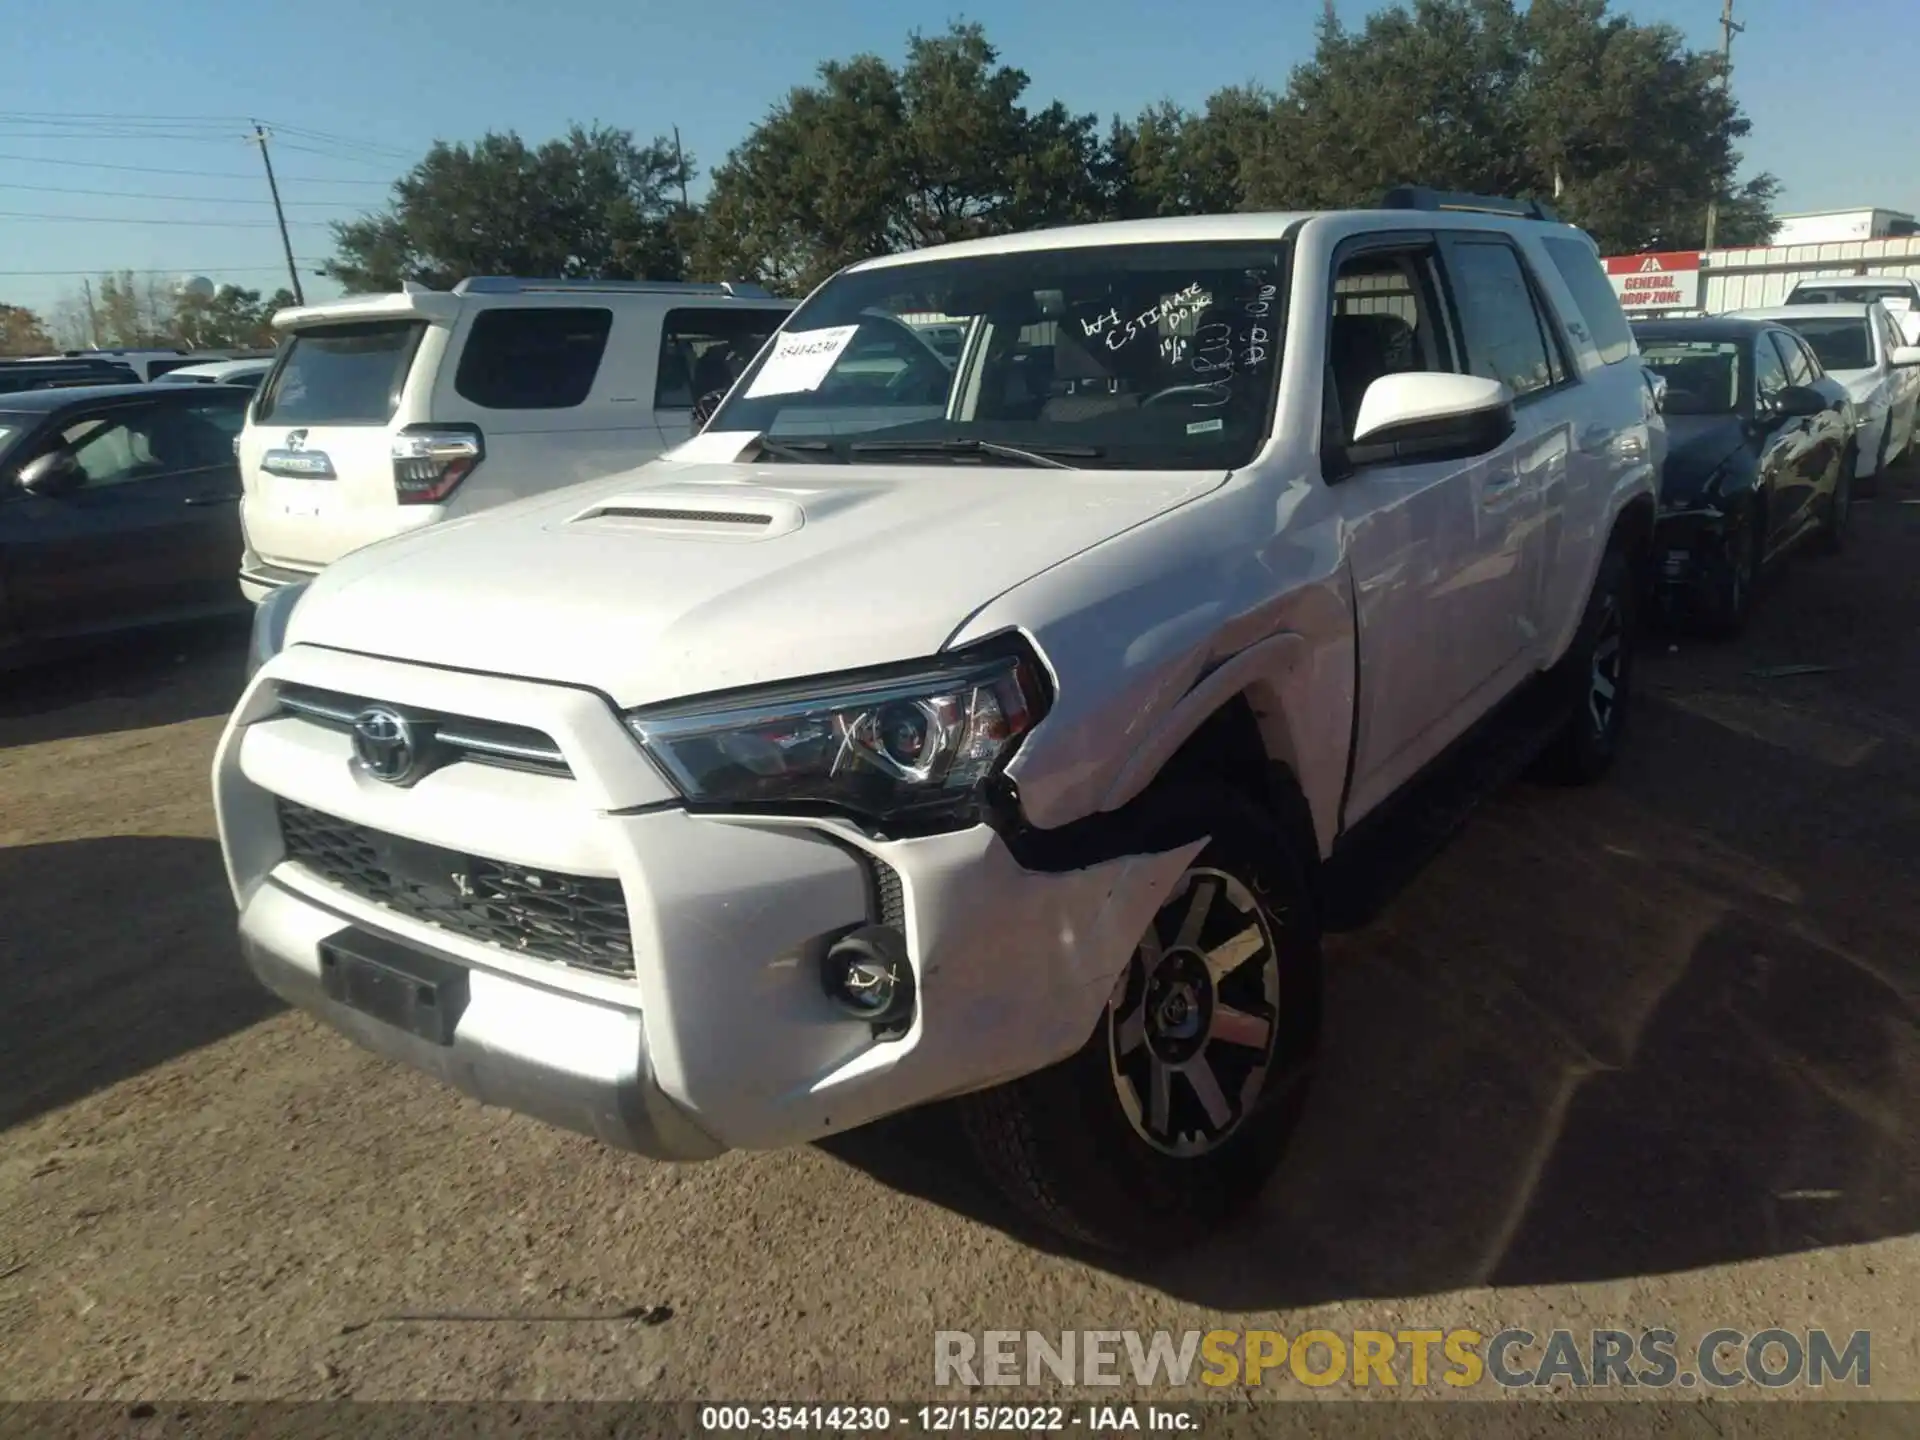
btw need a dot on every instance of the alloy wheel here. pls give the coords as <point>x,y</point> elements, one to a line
<point>1609,663</point>
<point>1192,1023</point>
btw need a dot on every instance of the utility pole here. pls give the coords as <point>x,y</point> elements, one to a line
<point>93,317</point>
<point>680,164</point>
<point>1727,31</point>
<point>293,273</point>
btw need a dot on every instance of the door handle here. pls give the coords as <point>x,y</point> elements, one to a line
<point>215,497</point>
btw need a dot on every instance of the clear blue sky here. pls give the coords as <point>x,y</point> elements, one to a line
<point>1834,118</point>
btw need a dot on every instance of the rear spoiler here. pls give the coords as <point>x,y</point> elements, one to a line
<point>408,305</point>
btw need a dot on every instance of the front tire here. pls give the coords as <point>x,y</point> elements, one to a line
<point>1832,535</point>
<point>1598,671</point>
<point>1171,1117</point>
<point>1731,604</point>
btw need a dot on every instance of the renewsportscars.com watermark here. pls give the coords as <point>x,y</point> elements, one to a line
<point>1511,1359</point>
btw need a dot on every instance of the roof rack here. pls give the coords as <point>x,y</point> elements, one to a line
<point>513,285</point>
<point>1421,197</point>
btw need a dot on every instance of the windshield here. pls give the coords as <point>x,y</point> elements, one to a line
<point>1703,376</point>
<point>1839,344</point>
<point>1135,356</point>
<point>342,374</point>
<point>1850,294</point>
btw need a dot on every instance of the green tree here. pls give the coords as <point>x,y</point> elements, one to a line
<point>874,159</point>
<point>593,205</point>
<point>1627,131</point>
<point>1171,161</point>
<point>231,318</point>
<point>21,332</point>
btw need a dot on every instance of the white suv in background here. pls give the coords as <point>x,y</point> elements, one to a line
<point>1006,729</point>
<point>386,413</point>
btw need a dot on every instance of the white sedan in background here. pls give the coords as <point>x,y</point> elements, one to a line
<point>1862,347</point>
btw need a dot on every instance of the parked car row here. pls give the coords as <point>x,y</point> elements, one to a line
<point>983,681</point>
<point>127,367</point>
<point>1773,417</point>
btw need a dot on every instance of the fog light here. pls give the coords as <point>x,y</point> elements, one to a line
<point>867,974</point>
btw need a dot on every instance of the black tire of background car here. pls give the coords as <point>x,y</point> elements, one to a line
<point>1583,751</point>
<point>1059,1145</point>
<point>1831,538</point>
<point>1730,605</point>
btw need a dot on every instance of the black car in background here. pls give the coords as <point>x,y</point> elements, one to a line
<point>18,375</point>
<point>1759,459</point>
<point>119,508</point>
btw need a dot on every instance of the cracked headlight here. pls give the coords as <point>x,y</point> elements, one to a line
<point>915,743</point>
<point>270,619</point>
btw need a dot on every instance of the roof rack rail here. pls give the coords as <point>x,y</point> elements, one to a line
<point>1422,197</point>
<point>514,285</point>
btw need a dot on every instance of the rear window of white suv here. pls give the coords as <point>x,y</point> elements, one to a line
<point>341,374</point>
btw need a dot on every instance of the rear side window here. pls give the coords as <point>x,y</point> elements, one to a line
<point>532,359</point>
<point>705,349</point>
<point>342,374</point>
<point>1506,340</point>
<point>1599,307</point>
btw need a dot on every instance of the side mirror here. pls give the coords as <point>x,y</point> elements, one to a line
<point>1904,356</point>
<point>1796,402</point>
<point>53,473</point>
<point>1430,416</point>
<point>1657,383</point>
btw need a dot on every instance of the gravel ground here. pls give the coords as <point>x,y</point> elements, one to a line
<point>1642,1055</point>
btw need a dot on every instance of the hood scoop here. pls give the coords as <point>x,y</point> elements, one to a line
<point>694,517</point>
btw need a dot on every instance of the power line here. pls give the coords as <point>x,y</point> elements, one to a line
<point>197,174</point>
<point>194,199</point>
<point>144,220</point>
<point>164,270</point>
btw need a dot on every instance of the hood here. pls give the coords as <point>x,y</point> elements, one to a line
<point>1859,384</point>
<point>675,579</point>
<point>1697,446</point>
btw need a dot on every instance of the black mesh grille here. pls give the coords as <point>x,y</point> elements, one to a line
<point>888,893</point>
<point>576,920</point>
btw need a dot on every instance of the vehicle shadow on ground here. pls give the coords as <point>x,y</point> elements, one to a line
<point>1671,1021</point>
<point>81,1008</point>
<point>126,683</point>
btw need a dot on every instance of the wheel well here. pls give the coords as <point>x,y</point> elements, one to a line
<point>1228,748</point>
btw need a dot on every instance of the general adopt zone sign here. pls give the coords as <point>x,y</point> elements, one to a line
<point>1668,281</point>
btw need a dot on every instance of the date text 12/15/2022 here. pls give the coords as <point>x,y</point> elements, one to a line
<point>948,1419</point>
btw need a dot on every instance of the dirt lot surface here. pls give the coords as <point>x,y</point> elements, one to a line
<point>1642,1055</point>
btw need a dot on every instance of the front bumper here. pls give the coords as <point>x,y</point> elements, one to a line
<point>1692,558</point>
<point>259,578</point>
<point>720,1034</point>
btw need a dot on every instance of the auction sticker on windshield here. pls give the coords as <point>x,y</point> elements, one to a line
<point>801,360</point>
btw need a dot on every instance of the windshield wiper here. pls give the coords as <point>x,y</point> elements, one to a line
<point>807,452</point>
<point>1045,455</point>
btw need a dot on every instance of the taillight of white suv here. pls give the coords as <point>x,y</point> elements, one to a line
<point>430,461</point>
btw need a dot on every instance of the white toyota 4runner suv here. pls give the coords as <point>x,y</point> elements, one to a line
<point>1005,727</point>
<point>387,413</point>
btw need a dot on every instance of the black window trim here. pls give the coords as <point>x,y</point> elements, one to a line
<point>1549,338</point>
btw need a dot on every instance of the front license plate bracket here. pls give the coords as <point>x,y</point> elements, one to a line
<point>407,988</point>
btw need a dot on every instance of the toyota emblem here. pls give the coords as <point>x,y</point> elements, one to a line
<point>385,744</point>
